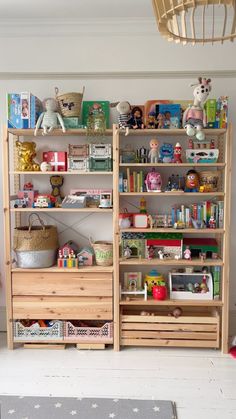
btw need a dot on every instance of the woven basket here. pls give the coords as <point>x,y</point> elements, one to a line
<point>103,252</point>
<point>69,103</point>
<point>209,180</point>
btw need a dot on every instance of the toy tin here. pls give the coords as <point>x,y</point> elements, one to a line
<point>57,159</point>
<point>151,279</point>
<point>202,156</point>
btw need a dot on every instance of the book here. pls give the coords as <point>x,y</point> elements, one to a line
<point>171,114</point>
<point>88,105</point>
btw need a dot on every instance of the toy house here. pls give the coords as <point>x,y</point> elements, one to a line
<point>68,249</point>
<point>85,257</point>
<point>199,246</point>
<point>170,244</point>
<point>136,247</point>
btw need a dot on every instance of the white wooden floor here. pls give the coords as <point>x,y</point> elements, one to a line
<point>201,382</point>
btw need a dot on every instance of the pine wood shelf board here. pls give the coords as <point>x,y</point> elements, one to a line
<point>168,132</point>
<point>184,343</point>
<point>172,194</point>
<point>82,269</point>
<point>172,165</point>
<point>97,210</point>
<point>172,262</point>
<point>55,133</point>
<point>174,230</point>
<point>74,172</point>
<point>152,302</point>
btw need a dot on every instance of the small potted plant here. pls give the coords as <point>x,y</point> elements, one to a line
<point>159,291</point>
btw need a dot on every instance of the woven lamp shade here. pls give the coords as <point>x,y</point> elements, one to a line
<point>196,21</point>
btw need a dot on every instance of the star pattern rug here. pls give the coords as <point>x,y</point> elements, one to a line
<point>19,407</point>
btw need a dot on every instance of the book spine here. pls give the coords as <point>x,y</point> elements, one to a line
<point>128,179</point>
<point>131,182</point>
<point>135,182</point>
<point>182,213</point>
<point>125,185</point>
<point>187,217</point>
<point>121,182</point>
<point>173,215</point>
<point>221,214</point>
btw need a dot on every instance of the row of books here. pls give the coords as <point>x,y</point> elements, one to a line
<point>23,110</point>
<point>201,213</point>
<point>133,183</point>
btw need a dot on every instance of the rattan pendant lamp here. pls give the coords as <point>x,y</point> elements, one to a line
<point>196,21</point>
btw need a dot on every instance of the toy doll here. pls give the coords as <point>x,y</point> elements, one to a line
<point>187,253</point>
<point>153,153</point>
<point>151,252</point>
<point>192,181</point>
<point>153,181</point>
<point>194,118</point>
<point>136,120</point>
<point>160,121</point>
<point>177,153</point>
<point>151,121</point>
<point>48,120</point>
<point>127,252</point>
<point>124,110</point>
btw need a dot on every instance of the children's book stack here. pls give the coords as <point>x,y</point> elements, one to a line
<point>134,182</point>
<point>200,212</point>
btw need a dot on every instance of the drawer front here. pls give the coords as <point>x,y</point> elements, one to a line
<point>62,284</point>
<point>71,308</point>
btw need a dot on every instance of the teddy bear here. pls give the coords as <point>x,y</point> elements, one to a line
<point>56,183</point>
<point>26,153</point>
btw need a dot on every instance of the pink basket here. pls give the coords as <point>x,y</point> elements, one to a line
<point>103,334</point>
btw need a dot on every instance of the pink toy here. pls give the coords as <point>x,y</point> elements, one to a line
<point>153,181</point>
<point>153,153</point>
<point>187,253</point>
<point>177,153</point>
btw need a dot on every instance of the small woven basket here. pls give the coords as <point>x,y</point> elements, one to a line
<point>69,103</point>
<point>209,180</point>
<point>103,252</point>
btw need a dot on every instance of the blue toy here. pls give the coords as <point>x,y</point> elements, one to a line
<point>166,153</point>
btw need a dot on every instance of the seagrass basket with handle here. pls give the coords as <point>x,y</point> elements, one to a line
<point>69,103</point>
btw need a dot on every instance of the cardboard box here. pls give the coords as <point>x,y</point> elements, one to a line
<point>23,110</point>
<point>58,160</point>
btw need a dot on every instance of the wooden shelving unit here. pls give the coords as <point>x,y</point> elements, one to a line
<point>50,293</point>
<point>204,322</point>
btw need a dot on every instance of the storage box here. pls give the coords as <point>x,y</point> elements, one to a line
<point>22,333</point>
<point>180,282</point>
<point>192,329</point>
<point>100,150</point>
<point>80,150</point>
<point>94,334</point>
<point>99,164</point>
<point>78,163</point>
<point>23,110</point>
<point>57,159</point>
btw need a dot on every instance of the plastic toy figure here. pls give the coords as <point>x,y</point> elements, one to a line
<point>151,252</point>
<point>160,121</point>
<point>48,119</point>
<point>177,153</point>
<point>212,223</point>
<point>124,110</point>
<point>127,252</point>
<point>153,153</point>
<point>166,153</point>
<point>153,181</point>
<point>136,120</point>
<point>192,181</point>
<point>151,121</point>
<point>194,118</point>
<point>143,206</point>
<point>187,253</point>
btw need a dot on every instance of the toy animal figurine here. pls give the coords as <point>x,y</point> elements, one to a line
<point>194,118</point>
<point>26,153</point>
<point>48,120</point>
<point>56,182</point>
<point>136,120</point>
<point>177,153</point>
<point>192,181</point>
<point>187,253</point>
<point>153,153</point>
<point>124,110</point>
<point>153,181</point>
<point>166,153</point>
<point>152,123</point>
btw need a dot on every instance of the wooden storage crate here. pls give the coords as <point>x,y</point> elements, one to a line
<point>199,329</point>
<point>22,333</point>
<point>103,334</point>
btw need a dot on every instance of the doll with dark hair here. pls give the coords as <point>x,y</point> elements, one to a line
<point>136,120</point>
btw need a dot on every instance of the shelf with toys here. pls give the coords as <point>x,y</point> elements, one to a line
<point>172,262</point>
<point>97,210</point>
<point>172,303</point>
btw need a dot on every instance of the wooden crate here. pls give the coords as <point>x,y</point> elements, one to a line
<point>189,330</point>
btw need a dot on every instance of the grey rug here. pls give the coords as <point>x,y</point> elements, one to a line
<point>14,407</point>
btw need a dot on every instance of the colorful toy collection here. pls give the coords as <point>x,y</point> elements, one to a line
<point>69,256</point>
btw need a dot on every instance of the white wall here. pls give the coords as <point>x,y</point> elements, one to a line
<point>116,53</point>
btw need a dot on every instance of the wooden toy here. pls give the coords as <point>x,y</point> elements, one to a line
<point>140,220</point>
<point>57,159</point>
<point>26,152</point>
<point>166,153</point>
<point>56,182</point>
<point>69,248</point>
<point>199,246</point>
<point>143,206</point>
<point>142,155</point>
<point>212,222</point>
<point>85,256</point>
<point>192,181</point>
<point>135,248</point>
<point>188,286</point>
<point>28,186</point>
<point>70,262</point>
<point>153,181</point>
<point>177,153</point>
<point>153,153</point>
<point>21,202</point>
<point>133,285</point>
<point>159,292</point>
<point>92,195</point>
<point>202,156</point>
<point>150,252</point>
<point>44,201</point>
<point>166,245</point>
<point>194,118</point>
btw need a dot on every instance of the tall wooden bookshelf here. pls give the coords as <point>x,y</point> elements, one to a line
<point>51,293</point>
<point>205,323</point>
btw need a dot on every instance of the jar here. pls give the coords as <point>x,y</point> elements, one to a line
<point>151,279</point>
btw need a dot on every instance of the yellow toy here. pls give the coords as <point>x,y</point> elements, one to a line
<point>26,153</point>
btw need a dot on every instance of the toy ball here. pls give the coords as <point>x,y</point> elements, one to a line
<point>45,167</point>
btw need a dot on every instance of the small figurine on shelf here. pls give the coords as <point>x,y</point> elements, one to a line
<point>142,156</point>
<point>150,221</point>
<point>127,252</point>
<point>202,256</point>
<point>48,119</point>
<point>26,153</point>
<point>153,153</point>
<point>143,206</point>
<point>136,120</point>
<point>160,121</point>
<point>194,118</point>
<point>166,153</point>
<point>190,144</point>
<point>28,186</point>
<point>177,153</point>
<point>187,253</point>
<point>124,110</point>
<point>151,252</point>
<point>151,121</point>
<point>212,144</point>
<point>56,182</point>
<point>192,181</point>
<point>212,222</point>
<point>153,181</point>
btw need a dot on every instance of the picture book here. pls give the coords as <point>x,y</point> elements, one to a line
<point>87,108</point>
<point>171,115</point>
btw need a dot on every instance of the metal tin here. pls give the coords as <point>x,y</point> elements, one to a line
<point>36,259</point>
